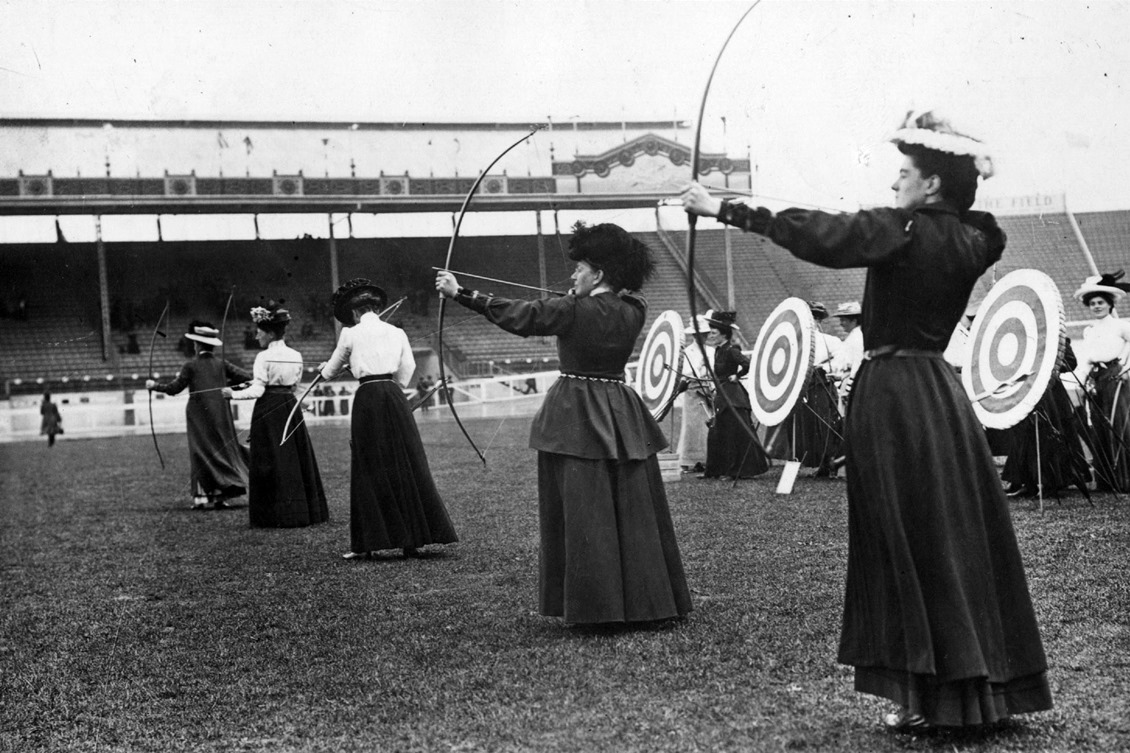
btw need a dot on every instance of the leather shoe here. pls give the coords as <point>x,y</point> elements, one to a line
<point>904,721</point>
<point>357,556</point>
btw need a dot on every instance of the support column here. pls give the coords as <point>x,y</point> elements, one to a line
<point>542,281</point>
<point>730,296</point>
<point>109,353</point>
<point>335,275</point>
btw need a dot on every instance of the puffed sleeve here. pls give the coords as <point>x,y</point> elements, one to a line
<point>407,360</point>
<point>259,379</point>
<point>340,358</point>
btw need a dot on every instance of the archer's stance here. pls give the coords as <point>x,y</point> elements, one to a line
<point>218,460</point>
<point>393,502</point>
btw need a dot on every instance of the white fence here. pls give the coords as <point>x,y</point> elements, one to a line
<point>106,414</point>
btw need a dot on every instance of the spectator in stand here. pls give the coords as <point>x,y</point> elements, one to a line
<point>218,461</point>
<point>343,392</point>
<point>51,423</point>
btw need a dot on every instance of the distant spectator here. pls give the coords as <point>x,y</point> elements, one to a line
<point>423,384</point>
<point>343,394</point>
<point>132,346</point>
<point>327,402</point>
<point>52,422</point>
<point>531,386</point>
<point>250,341</point>
<point>308,330</point>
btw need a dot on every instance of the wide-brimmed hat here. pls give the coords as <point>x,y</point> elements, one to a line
<point>1107,284</point>
<point>851,308</point>
<point>818,309</point>
<point>204,334</point>
<point>714,318</point>
<point>933,130</point>
<point>350,294</point>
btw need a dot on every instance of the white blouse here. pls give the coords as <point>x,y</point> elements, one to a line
<point>278,365</point>
<point>372,347</point>
<point>1108,339</point>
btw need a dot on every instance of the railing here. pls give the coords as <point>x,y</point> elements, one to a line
<point>127,413</point>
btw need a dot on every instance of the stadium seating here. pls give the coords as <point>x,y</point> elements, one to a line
<point>61,336</point>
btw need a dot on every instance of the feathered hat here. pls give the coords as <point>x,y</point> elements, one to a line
<point>934,131</point>
<point>818,309</point>
<point>1107,284</point>
<point>352,293</point>
<point>271,313</point>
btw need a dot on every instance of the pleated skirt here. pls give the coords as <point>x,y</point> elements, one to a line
<point>1056,457</point>
<point>285,484</point>
<point>393,501</point>
<point>608,550</point>
<point>1109,434</point>
<point>937,614</point>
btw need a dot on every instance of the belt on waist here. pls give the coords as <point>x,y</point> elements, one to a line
<point>279,388</point>
<point>888,351</point>
<point>376,378</point>
<point>586,377</point>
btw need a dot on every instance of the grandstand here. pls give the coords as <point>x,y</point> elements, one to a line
<point>57,337</point>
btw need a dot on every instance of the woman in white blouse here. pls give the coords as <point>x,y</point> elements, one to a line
<point>285,486</point>
<point>393,502</point>
<point>1104,357</point>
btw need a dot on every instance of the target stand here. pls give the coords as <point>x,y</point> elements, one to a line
<point>1016,347</point>
<point>782,364</point>
<point>659,375</point>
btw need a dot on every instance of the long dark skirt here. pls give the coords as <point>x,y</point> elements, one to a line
<point>1059,462</point>
<point>819,427</point>
<point>608,549</point>
<point>1109,434</point>
<point>216,457</point>
<point>393,502</point>
<point>731,448</point>
<point>285,486</point>
<point>937,615</point>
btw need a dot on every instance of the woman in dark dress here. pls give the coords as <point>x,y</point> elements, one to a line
<point>608,550</point>
<point>217,459</point>
<point>285,486</point>
<point>51,423</point>
<point>1056,458</point>
<point>937,615</point>
<point>732,449</point>
<point>393,502</point>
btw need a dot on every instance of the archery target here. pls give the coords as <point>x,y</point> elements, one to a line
<point>660,367</point>
<point>1015,348</point>
<point>782,361</point>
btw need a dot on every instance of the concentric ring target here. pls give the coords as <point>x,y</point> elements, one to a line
<point>1015,348</point>
<point>661,362</point>
<point>782,361</point>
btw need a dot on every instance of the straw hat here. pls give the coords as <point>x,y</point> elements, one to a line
<point>204,334</point>
<point>1108,284</point>
<point>851,308</point>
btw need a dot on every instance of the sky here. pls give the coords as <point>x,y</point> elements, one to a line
<point>810,88</point>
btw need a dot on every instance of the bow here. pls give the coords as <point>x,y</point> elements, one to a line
<point>443,299</point>
<point>152,344</point>
<point>692,220</point>
<point>285,434</point>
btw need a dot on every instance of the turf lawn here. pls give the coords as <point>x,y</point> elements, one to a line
<point>131,623</point>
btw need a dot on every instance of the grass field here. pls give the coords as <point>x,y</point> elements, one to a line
<point>130,623</point>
